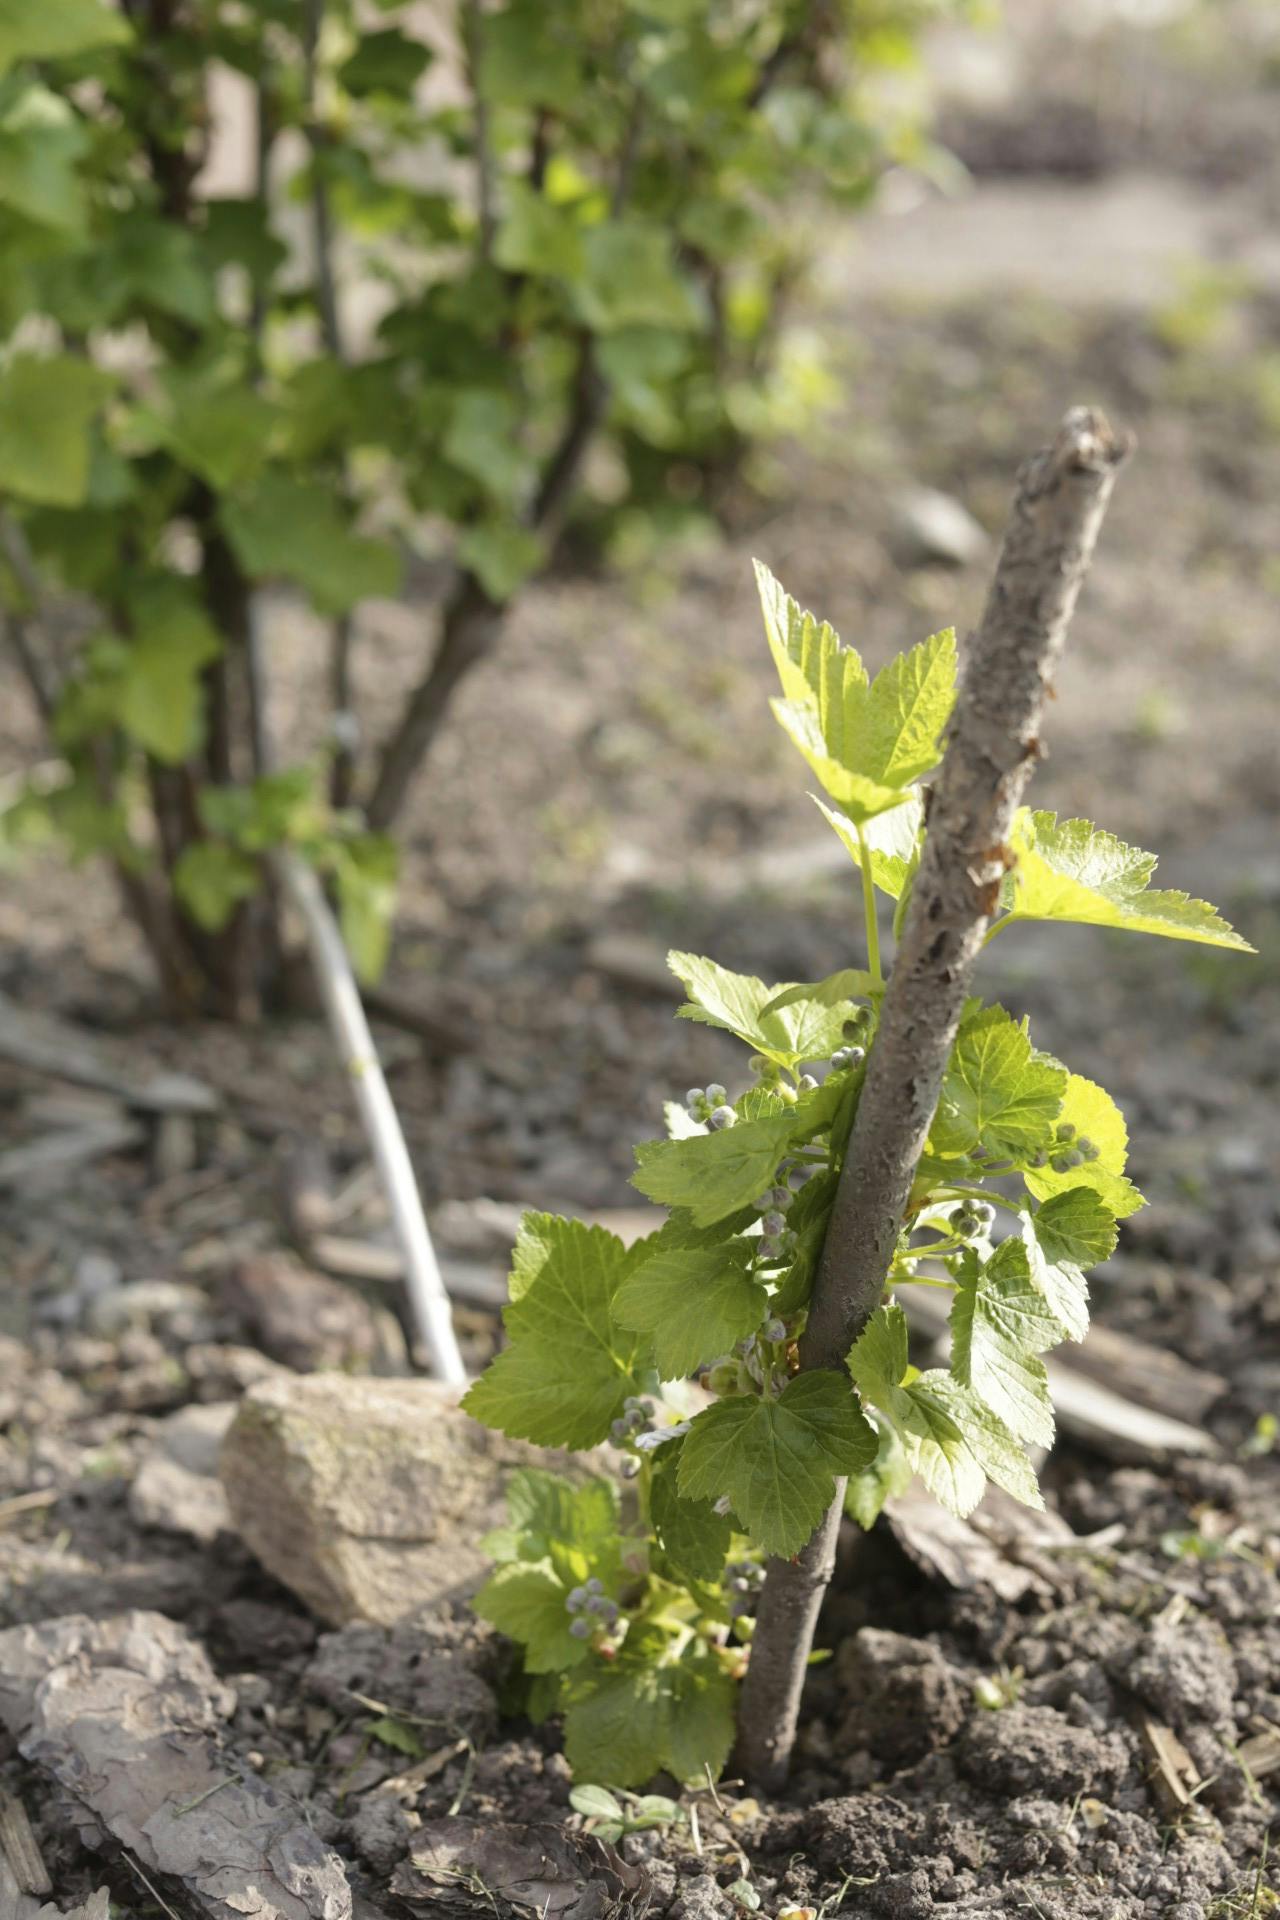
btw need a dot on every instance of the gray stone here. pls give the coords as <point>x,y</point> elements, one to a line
<point>368,1498</point>
<point>933,527</point>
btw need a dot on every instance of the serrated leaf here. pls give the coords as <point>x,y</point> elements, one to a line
<point>952,1441</point>
<point>546,1508</point>
<point>1068,1234</point>
<point>528,1605</point>
<point>695,1304</point>
<point>628,1722</point>
<point>866,742</point>
<point>717,1174</point>
<point>889,1474</point>
<point>695,1538</point>
<point>778,1460</point>
<point>1072,870</point>
<point>569,1366</point>
<point>788,1023</point>
<point>1095,1117</point>
<point>158,697</point>
<point>893,841</point>
<point>1000,1325</point>
<point>841,989</point>
<point>997,1092</point>
<point>47,410</point>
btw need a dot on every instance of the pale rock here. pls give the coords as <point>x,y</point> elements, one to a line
<point>367,1498</point>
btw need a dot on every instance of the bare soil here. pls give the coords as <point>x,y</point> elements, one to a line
<point>614,784</point>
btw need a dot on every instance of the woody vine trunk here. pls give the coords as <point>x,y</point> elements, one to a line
<point>993,742</point>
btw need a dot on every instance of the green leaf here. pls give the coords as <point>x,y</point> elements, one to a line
<point>888,1475</point>
<point>695,1538</point>
<point>630,279</point>
<point>502,555</point>
<point>211,879</point>
<point>366,870</point>
<point>42,142</point>
<point>894,840</point>
<point>866,742</point>
<point>158,697</point>
<point>538,237</point>
<point>32,32</point>
<point>595,1803</point>
<point>570,1366</point>
<point>386,61</point>
<point>715,1174</point>
<point>1068,1234</point>
<point>1072,870</point>
<point>1000,1325</point>
<point>395,1734</point>
<point>1096,1117</point>
<point>545,1507</point>
<point>997,1093</point>
<point>47,411</point>
<point>952,1441</point>
<point>528,1605</point>
<point>696,1304</point>
<point>789,1024</point>
<point>527,60</point>
<point>631,1721</point>
<point>778,1460</point>
<point>292,528</point>
<point>482,439</point>
<point>221,434</point>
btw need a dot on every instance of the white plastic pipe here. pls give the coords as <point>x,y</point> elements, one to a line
<point>428,1301</point>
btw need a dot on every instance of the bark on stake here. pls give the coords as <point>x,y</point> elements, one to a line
<point>992,744</point>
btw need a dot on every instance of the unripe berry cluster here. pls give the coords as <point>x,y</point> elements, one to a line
<point>845,1057</point>
<point>711,1104</point>
<point>636,1418</point>
<point>971,1218</point>
<point>1070,1150</point>
<point>592,1609</point>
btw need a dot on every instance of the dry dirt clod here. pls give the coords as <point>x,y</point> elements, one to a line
<point>368,1501</point>
<point>176,1489</point>
<point>454,1864</point>
<point>308,1321</point>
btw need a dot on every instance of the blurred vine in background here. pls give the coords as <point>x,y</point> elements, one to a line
<point>480,244</point>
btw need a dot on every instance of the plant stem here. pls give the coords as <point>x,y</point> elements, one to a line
<point>869,908</point>
<point>1058,507</point>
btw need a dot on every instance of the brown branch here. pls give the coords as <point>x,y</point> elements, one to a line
<point>992,745</point>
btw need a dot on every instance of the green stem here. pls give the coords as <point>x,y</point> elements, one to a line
<point>977,1193</point>
<point>869,908</point>
<point>998,927</point>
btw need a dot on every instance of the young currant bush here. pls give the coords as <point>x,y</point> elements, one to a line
<point>635,1610</point>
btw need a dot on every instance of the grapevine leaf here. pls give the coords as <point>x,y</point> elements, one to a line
<point>1072,870</point>
<point>777,1460</point>
<point>1095,1117</point>
<point>569,1366</point>
<point>1068,1234</point>
<point>292,527</point>
<point>158,697</point>
<point>888,1474</point>
<point>893,841</point>
<point>997,1093</point>
<point>628,1722</point>
<point>694,1303</point>
<point>1000,1324</point>
<point>694,1537</point>
<point>837,990</point>
<point>528,1605</point>
<point>995,1450</point>
<point>211,879</point>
